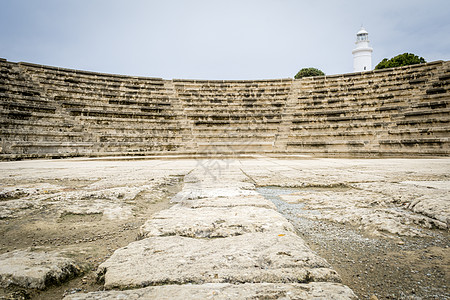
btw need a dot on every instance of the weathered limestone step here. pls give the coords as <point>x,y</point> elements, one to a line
<point>380,125</point>
<point>398,150</point>
<point>64,83</point>
<point>233,133</point>
<point>227,291</point>
<point>348,119</point>
<point>119,114</point>
<point>209,222</point>
<point>348,112</point>
<point>209,123</point>
<point>106,95</point>
<point>103,94</point>
<point>329,144</point>
<point>423,121</point>
<point>149,107</point>
<point>89,144</point>
<point>436,131</point>
<point>232,114</point>
<point>258,103</point>
<point>356,101</point>
<point>32,115</point>
<point>416,141</point>
<point>252,257</point>
<point>348,133</point>
<point>423,113</point>
<point>225,146</point>
<point>36,68</point>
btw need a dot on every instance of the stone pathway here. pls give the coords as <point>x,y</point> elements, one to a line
<point>221,240</point>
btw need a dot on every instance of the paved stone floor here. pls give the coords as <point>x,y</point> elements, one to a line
<point>225,229</point>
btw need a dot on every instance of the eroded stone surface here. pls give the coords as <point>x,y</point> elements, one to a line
<point>254,200</point>
<point>199,192</point>
<point>429,198</point>
<point>252,257</point>
<point>215,221</point>
<point>375,213</point>
<point>34,269</point>
<point>15,208</point>
<point>112,202</point>
<point>225,291</point>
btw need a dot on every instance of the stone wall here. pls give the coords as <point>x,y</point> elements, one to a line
<point>54,112</point>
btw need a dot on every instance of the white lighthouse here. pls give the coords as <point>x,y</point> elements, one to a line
<point>362,54</point>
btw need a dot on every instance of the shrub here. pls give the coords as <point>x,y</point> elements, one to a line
<point>308,72</point>
<point>400,60</point>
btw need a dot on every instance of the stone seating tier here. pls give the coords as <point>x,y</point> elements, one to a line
<point>56,112</point>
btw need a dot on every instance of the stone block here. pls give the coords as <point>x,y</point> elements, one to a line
<point>254,257</point>
<point>213,222</point>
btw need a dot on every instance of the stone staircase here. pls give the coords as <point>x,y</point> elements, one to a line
<point>233,117</point>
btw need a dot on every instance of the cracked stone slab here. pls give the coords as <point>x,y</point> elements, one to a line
<point>429,198</point>
<point>208,222</point>
<point>33,269</point>
<point>112,203</point>
<point>373,212</point>
<point>225,291</point>
<point>386,222</point>
<point>251,257</point>
<point>208,192</point>
<point>335,199</point>
<point>254,200</point>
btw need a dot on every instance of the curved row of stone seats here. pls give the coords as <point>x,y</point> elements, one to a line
<point>402,110</point>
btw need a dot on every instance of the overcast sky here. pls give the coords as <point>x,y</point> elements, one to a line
<point>218,39</point>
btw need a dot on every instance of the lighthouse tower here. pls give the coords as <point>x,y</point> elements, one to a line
<point>362,54</point>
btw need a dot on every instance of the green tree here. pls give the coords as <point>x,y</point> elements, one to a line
<point>308,72</point>
<point>404,59</point>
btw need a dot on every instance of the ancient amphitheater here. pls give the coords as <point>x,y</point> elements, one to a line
<point>54,112</point>
<point>333,187</point>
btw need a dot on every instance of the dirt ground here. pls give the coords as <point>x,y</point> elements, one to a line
<point>414,269</point>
